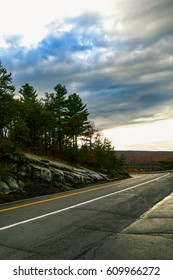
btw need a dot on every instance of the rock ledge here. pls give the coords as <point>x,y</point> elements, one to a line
<point>32,175</point>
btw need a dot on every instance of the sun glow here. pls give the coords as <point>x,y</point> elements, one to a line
<point>31,18</point>
<point>142,137</point>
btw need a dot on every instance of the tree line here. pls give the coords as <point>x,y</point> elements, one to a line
<point>57,125</point>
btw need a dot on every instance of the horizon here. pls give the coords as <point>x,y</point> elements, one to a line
<point>145,151</point>
<point>116,54</point>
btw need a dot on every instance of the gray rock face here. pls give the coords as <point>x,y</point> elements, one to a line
<point>4,188</point>
<point>16,170</point>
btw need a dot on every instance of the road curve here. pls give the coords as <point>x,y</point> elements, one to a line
<point>95,222</point>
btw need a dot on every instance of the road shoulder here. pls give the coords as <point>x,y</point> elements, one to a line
<point>150,237</point>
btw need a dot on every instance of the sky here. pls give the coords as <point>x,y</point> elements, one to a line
<point>116,54</point>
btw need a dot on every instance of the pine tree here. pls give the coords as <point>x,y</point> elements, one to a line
<point>30,111</point>
<point>60,109</point>
<point>56,103</point>
<point>19,133</point>
<point>28,94</point>
<point>77,120</point>
<point>6,101</point>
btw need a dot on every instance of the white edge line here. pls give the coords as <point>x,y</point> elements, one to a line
<point>80,204</point>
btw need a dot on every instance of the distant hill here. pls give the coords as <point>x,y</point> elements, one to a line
<point>145,160</point>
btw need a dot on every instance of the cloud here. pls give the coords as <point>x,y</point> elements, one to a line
<point>13,40</point>
<point>120,64</point>
<point>63,51</point>
<point>144,21</point>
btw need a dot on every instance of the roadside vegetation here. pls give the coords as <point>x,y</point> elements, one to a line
<point>56,125</point>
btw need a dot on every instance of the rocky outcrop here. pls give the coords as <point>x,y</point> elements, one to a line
<point>26,173</point>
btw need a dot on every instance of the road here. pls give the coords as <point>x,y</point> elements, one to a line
<point>115,220</point>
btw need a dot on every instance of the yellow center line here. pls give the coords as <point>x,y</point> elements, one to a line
<point>56,198</point>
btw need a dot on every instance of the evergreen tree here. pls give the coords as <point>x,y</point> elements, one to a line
<point>28,94</point>
<point>30,110</point>
<point>55,123</point>
<point>48,127</point>
<point>88,135</point>
<point>19,133</point>
<point>77,120</point>
<point>59,108</point>
<point>6,101</point>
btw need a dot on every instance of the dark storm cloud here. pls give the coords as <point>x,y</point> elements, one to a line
<point>145,21</point>
<point>122,66</point>
<point>128,104</point>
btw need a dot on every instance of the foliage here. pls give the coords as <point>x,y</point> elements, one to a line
<point>100,154</point>
<point>20,133</point>
<point>6,100</point>
<point>168,164</point>
<point>55,125</point>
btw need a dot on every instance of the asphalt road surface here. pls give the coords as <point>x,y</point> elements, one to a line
<point>129,219</point>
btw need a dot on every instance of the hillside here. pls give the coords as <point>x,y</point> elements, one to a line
<point>145,160</point>
<point>27,175</point>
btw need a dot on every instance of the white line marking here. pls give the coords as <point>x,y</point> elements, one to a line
<point>80,204</point>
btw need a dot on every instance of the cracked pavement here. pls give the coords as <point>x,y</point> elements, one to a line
<point>149,237</point>
<point>136,223</point>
